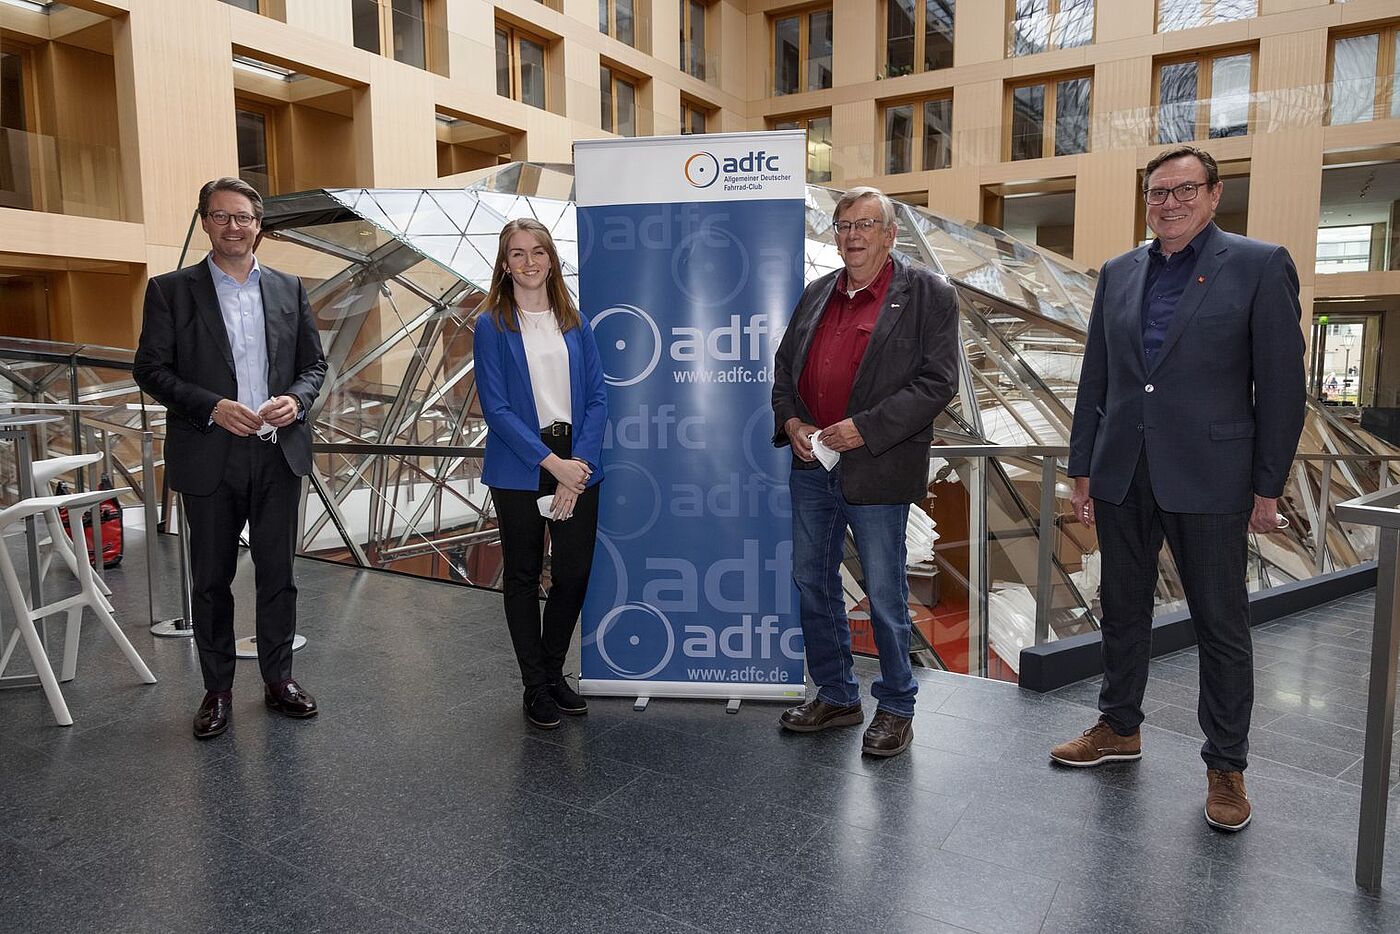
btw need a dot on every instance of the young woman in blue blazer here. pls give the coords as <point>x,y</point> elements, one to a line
<point>542,393</point>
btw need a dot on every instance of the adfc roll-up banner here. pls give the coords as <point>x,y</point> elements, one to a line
<point>690,262</point>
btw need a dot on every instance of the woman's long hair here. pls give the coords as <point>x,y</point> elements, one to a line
<point>500,300</point>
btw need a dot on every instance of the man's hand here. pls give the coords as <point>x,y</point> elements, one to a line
<point>279,411</point>
<point>798,432</point>
<point>1083,505</point>
<point>236,418</point>
<point>843,436</point>
<point>1265,517</point>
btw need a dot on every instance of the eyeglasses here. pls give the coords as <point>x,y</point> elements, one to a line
<point>223,217</point>
<point>865,225</point>
<point>1185,192</point>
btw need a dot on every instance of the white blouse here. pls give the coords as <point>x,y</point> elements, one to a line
<point>548,360</point>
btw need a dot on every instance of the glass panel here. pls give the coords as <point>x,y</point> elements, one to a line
<point>410,45</point>
<point>1072,116</point>
<point>938,34</point>
<point>626,108</point>
<point>899,46</point>
<point>819,149</point>
<point>1354,78</point>
<point>251,128</point>
<point>604,20</point>
<point>250,5</point>
<point>1343,249</point>
<point>696,59</point>
<point>1187,14</point>
<point>605,98</point>
<point>787,55</point>
<point>1229,95</point>
<point>532,73</point>
<point>502,63</point>
<point>12,116</point>
<point>364,18</point>
<point>1073,26</point>
<point>938,134</point>
<point>1028,122</point>
<point>819,50</point>
<point>1030,27</point>
<point>1176,110</point>
<point>899,138</point>
<point>626,25</point>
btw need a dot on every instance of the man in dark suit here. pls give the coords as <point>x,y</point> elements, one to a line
<point>869,360</point>
<point>230,348</point>
<point>1190,405</point>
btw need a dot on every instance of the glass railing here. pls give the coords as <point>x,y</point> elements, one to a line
<point>60,176</point>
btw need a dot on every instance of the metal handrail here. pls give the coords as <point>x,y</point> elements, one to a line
<point>1382,510</point>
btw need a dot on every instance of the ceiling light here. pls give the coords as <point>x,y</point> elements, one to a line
<point>262,69</point>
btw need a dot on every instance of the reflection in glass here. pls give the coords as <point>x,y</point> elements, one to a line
<point>899,46</point>
<point>626,108</point>
<point>251,129</point>
<point>1028,122</point>
<point>1229,95</point>
<point>787,55</point>
<point>1072,116</point>
<point>1354,78</point>
<point>819,50</point>
<point>410,43</point>
<point>938,34</point>
<point>938,134</point>
<point>364,24</point>
<point>502,63</point>
<point>819,149</point>
<point>1176,103</point>
<point>899,139</point>
<point>1188,14</point>
<point>532,73</point>
<point>605,98</point>
<point>626,23</point>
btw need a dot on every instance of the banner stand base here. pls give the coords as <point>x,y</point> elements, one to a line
<point>247,647</point>
<point>644,691</point>
<point>641,704</point>
<point>733,705</point>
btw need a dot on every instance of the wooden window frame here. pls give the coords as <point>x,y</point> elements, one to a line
<point>433,55</point>
<point>804,120</point>
<point>804,46</point>
<point>1387,35</point>
<point>27,82</point>
<point>269,114</point>
<point>920,38</point>
<point>690,105</point>
<point>919,130</point>
<point>514,34</point>
<point>1204,92</point>
<point>1049,118</point>
<point>640,14</point>
<point>686,33</point>
<point>618,74</point>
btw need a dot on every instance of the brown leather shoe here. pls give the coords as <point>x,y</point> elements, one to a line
<point>887,735</point>
<point>817,714</point>
<point>1097,745</point>
<point>1227,804</point>
<point>290,700</point>
<point>213,715</point>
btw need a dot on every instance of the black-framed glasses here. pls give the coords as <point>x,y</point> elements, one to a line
<point>242,218</point>
<point>864,225</point>
<point>1184,192</point>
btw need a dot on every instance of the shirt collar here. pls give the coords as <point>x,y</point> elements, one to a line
<point>883,274</point>
<point>223,278</point>
<point>1191,248</point>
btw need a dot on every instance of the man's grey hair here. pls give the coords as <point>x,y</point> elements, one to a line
<point>861,192</point>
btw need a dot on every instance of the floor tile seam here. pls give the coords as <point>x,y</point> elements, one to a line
<point>948,924</point>
<point>1355,757</point>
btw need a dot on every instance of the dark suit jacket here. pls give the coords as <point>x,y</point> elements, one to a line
<point>1222,408</point>
<point>908,374</point>
<point>184,361</point>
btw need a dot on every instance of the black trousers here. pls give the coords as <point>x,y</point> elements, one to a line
<point>257,488</point>
<point>542,644</point>
<point>1210,553</point>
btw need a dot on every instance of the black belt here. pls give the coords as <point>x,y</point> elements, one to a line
<point>556,429</point>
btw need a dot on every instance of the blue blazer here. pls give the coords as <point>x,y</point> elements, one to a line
<point>513,446</point>
<point>1221,410</point>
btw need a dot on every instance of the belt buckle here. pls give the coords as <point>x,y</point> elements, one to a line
<point>556,429</point>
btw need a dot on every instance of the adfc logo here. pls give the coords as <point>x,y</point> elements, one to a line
<point>702,170</point>
<point>629,343</point>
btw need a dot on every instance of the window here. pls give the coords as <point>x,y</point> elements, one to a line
<point>1040,25</point>
<point>252,6</point>
<point>617,18</point>
<point>918,36</point>
<point>1364,84</point>
<point>818,127</point>
<point>918,136</point>
<point>14,121</point>
<point>1204,97</point>
<point>520,71</point>
<point>618,98</point>
<point>802,52</point>
<point>253,125</point>
<point>693,56</point>
<point>693,116</point>
<point>1050,118</point>
<point>397,25</point>
<point>1188,14</point>
<point>13,112</point>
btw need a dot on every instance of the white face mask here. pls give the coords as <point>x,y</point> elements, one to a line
<point>268,432</point>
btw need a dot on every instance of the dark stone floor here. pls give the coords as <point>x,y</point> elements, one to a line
<point>421,800</point>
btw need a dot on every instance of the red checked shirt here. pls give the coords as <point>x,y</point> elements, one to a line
<point>839,345</point>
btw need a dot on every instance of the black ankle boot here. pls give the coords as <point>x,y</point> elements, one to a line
<point>566,698</point>
<point>540,708</point>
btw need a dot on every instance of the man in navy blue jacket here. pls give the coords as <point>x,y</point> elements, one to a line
<point>1190,405</point>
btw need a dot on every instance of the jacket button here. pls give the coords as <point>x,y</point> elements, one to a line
<point>1148,388</point>
<point>1139,427</point>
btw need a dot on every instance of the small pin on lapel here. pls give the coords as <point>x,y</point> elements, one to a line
<point>1200,279</point>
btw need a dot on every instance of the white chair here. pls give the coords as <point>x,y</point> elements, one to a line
<point>88,596</point>
<point>45,472</point>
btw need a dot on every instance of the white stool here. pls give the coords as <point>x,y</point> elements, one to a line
<point>45,472</point>
<point>88,596</point>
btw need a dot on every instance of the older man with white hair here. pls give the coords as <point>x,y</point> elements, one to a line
<point>868,362</point>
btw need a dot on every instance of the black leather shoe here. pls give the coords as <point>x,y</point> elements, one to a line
<point>540,708</point>
<point>567,699</point>
<point>887,735</point>
<point>212,717</point>
<point>817,715</point>
<point>290,700</point>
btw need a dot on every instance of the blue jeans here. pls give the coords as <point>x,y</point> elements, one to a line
<point>820,516</point>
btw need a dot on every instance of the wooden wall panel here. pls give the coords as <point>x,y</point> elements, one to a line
<point>1106,193</point>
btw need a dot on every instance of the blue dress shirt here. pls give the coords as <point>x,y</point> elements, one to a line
<point>1167,278</point>
<point>241,306</point>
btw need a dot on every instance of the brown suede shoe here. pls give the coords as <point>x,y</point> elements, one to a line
<point>887,735</point>
<point>817,714</point>
<point>1227,804</point>
<point>1097,745</point>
